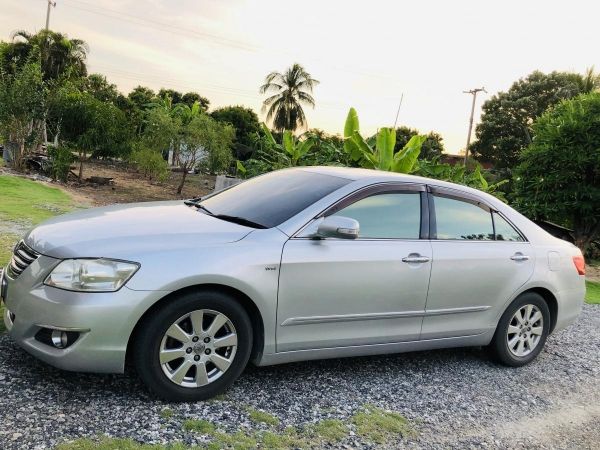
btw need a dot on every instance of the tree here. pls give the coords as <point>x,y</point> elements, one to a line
<point>246,125</point>
<point>135,106</point>
<point>141,96</point>
<point>558,178</point>
<point>59,55</point>
<point>190,98</point>
<point>293,88</point>
<point>204,141</point>
<point>98,86</point>
<point>92,126</point>
<point>22,95</point>
<point>432,146</point>
<point>175,96</point>
<point>506,123</point>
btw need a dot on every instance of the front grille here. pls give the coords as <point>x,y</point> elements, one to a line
<point>22,257</point>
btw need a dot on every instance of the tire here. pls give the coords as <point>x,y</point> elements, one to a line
<point>514,347</point>
<point>187,376</point>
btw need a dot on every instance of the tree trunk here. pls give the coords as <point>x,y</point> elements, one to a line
<point>585,233</point>
<point>183,176</point>
<point>81,156</point>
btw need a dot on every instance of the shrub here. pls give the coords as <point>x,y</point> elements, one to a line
<point>150,163</point>
<point>62,158</point>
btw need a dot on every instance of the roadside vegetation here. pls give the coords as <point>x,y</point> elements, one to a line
<point>548,172</point>
<point>592,295</point>
<point>374,424</point>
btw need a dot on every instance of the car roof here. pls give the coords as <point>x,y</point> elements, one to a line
<point>367,176</point>
<point>373,175</point>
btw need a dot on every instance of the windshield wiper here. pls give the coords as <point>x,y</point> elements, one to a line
<point>197,204</point>
<point>240,221</point>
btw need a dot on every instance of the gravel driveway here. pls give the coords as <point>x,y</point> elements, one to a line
<point>453,398</point>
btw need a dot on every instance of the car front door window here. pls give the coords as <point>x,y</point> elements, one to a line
<point>387,216</point>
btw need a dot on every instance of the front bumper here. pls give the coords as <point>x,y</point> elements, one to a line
<point>104,321</point>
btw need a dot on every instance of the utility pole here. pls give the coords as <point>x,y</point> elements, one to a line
<point>51,4</point>
<point>473,92</point>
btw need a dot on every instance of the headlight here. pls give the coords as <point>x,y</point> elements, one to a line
<point>91,275</point>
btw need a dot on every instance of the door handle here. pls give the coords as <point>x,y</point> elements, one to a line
<point>519,257</point>
<point>415,258</point>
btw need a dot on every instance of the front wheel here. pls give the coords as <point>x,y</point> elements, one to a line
<point>522,330</point>
<point>194,347</point>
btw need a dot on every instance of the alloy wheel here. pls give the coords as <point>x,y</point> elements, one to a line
<point>198,348</point>
<point>525,330</point>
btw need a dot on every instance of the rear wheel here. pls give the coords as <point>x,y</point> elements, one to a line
<point>522,330</point>
<point>194,347</point>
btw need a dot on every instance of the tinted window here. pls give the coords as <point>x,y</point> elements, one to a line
<point>273,198</point>
<point>457,219</point>
<point>505,231</point>
<point>387,216</point>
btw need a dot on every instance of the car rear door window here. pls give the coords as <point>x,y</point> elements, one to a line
<point>394,215</point>
<point>462,220</point>
<point>505,231</point>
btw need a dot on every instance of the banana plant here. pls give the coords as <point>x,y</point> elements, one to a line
<point>381,156</point>
<point>294,148</point>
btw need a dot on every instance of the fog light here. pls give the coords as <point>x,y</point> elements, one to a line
<point>60,339</point>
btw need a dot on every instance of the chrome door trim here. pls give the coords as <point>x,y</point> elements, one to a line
<point>466,309</point>
<point>379,316</point>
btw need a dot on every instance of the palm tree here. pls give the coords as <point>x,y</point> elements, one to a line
<point>293,88</point>
<point>59,55</point>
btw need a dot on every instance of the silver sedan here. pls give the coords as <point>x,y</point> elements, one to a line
<point>298,264</point>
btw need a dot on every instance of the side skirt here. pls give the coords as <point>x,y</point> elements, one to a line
<point>376,349</point>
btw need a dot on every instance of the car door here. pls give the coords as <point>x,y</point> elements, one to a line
<point>479,260</point>
<point>370,290</point>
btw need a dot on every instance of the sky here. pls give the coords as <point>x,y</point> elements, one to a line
<point>365,54</point>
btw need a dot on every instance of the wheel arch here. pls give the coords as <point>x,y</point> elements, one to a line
<point>550,300</point>
<point>258,333</point>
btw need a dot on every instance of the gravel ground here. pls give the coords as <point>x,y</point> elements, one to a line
<point>454,398</point>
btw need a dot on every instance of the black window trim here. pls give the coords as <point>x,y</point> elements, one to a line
<point>377,189</point>
<point>467,197</point>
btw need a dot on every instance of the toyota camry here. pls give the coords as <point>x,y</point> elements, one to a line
<point>299,264</point>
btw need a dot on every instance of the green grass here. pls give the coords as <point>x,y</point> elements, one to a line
<point>199,426</point>
<point>380,426</point>
<point>262,417</point>
<point>167,413</point>
<point>592,293</point>
<point>330,430</point>
<point>106,443</point>
<point>24,200</point>
<point>24,203</point>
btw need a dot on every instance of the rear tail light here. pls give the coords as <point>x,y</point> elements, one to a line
<point>579,264</point>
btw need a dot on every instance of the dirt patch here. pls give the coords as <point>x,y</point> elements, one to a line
<point>592,273</point>
<point>130,186</point>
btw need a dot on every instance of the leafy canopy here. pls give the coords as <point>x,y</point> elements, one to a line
<point>381,156</point>
<point>291,89</point>
<point>506,122</point>
<point>558,178</point>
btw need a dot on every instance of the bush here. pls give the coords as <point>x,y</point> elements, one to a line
<point>150,163</point>
<point>62,158</point>
<point>558,178</point>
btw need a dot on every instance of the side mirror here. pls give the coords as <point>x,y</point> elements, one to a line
<point>338,227</point>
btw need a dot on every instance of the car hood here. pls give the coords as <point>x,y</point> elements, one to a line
<point>119,230</point>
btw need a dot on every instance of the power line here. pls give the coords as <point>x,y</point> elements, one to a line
<point>215,39</point>
<point>162,26</point>
<point>205,87</point>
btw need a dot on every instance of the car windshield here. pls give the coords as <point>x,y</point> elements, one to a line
<point>271,199</point>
